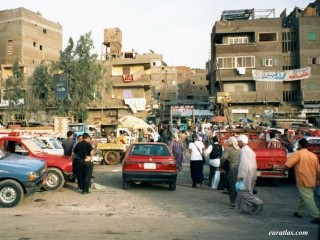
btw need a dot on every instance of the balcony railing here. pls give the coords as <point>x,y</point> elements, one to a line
<point>141,80</point>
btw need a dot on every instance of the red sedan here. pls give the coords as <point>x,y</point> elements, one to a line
<point>149,162</point>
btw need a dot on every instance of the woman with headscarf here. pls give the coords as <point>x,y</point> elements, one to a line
<point>231,158</point>
<point>247,175</point>
<point>196,149</point>
<point>177,148</point>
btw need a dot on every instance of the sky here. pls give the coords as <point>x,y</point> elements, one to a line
<point>178,29</point>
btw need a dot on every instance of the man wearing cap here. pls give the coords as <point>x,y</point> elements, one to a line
<point>247,173</point>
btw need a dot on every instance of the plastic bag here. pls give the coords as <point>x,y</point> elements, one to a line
<point>216,180</point>
<point>240,186</point>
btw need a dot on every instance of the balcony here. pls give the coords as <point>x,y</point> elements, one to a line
<point>250,97</point>
<point>139,81</point>
<point>235,49</point>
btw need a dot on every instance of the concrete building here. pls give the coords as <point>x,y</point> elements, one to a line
<point>127,89</point>
<point>144,86</point>
<point>252,57</point>
<point>29,38</point>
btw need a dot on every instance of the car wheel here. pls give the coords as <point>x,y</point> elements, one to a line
<point>11,193</point>
<point>172,186</point>
<point>125,184</point>
<point>54,180</point>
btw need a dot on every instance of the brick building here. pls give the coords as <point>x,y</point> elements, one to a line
<point>244,44</point>
<point>29,38</point>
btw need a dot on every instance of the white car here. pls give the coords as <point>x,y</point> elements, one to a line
<point>310,139</point>
<point>53,146</point>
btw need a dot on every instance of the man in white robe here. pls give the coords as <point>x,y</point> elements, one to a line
<point>247,173</point>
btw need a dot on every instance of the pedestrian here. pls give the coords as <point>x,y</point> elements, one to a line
<point>68,143</point>
<point>76,164</point>
<point>196,149</point>
<point>166,136</point>
<point>112,137</point>
<point>214,158</point>
<point>286,140</point>
<point>85,152</point>
<point>307,173</point>
<point>247,174</point>
<point>273,142</point>
<point>177,149</point>
<point>230,163</point>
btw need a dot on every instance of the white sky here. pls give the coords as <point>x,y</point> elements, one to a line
<point>178,29</point>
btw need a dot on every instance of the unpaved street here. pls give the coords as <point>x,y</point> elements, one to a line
<point>150,212</point>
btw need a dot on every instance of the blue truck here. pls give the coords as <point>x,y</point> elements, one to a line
<point>19,176</point>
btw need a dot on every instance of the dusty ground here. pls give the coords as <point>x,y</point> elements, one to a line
<point>150,212</point>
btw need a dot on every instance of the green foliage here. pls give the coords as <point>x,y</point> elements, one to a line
<point>42,88</point>
<point>84,74</point>
<point>14,91</point>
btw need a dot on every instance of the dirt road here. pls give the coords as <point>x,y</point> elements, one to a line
<point>151,212</point>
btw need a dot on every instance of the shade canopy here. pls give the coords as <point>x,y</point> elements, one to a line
<point>219,119</point>
<point>245,120</point>
<point>133,122</point>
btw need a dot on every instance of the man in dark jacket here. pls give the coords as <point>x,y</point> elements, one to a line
<point>85,153</point>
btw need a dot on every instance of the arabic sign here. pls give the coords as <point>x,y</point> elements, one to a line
<point>289,75</point>
<point>61,86</point>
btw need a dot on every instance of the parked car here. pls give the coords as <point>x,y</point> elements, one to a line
<point>53,145</point>
<point>19,176</point>
<point>310,139</point>
<point>59,167</point>
<point>149,162</point>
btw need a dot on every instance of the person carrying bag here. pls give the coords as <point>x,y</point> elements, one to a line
<point>214,160</point>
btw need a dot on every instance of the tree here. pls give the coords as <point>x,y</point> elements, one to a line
<point>42,89</point>
<point>84,74</point>
<point>14,91</point>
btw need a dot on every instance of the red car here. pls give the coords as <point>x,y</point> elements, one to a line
<point>149,162</point>
<point>59,167</point>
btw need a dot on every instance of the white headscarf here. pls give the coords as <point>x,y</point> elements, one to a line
<point>243,138</point>
<point>233,141</point>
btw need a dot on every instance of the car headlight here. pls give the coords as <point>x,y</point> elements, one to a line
<point>33,176</point>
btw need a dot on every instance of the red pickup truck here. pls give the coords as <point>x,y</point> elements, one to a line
<point>270,161</point>
<point>59,168</point>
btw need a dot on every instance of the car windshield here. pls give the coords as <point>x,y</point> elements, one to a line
<point>38,142</point>
<point>32,145</point>
<point>149,150</point>
<point>55,143</point>
<point>76,128</point>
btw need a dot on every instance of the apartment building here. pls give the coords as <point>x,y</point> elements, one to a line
<point>144,86</point>
<point>264,66</point>
<point>28,37</point>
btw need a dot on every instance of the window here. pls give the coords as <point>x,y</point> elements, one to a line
<point>313,85</point>
<point>311,36</point>
<point>269,86</point>
<point>236,62</point>
<point>269,62</point>
<point>128,55</point>
<point>40,47</point>
<point>34,44</point>
<point>237,40</point>
<point>10,47</point>
<point>267,37</point>
<point>313,60</point>
<point>290,96</point>
<point>44,31</point>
